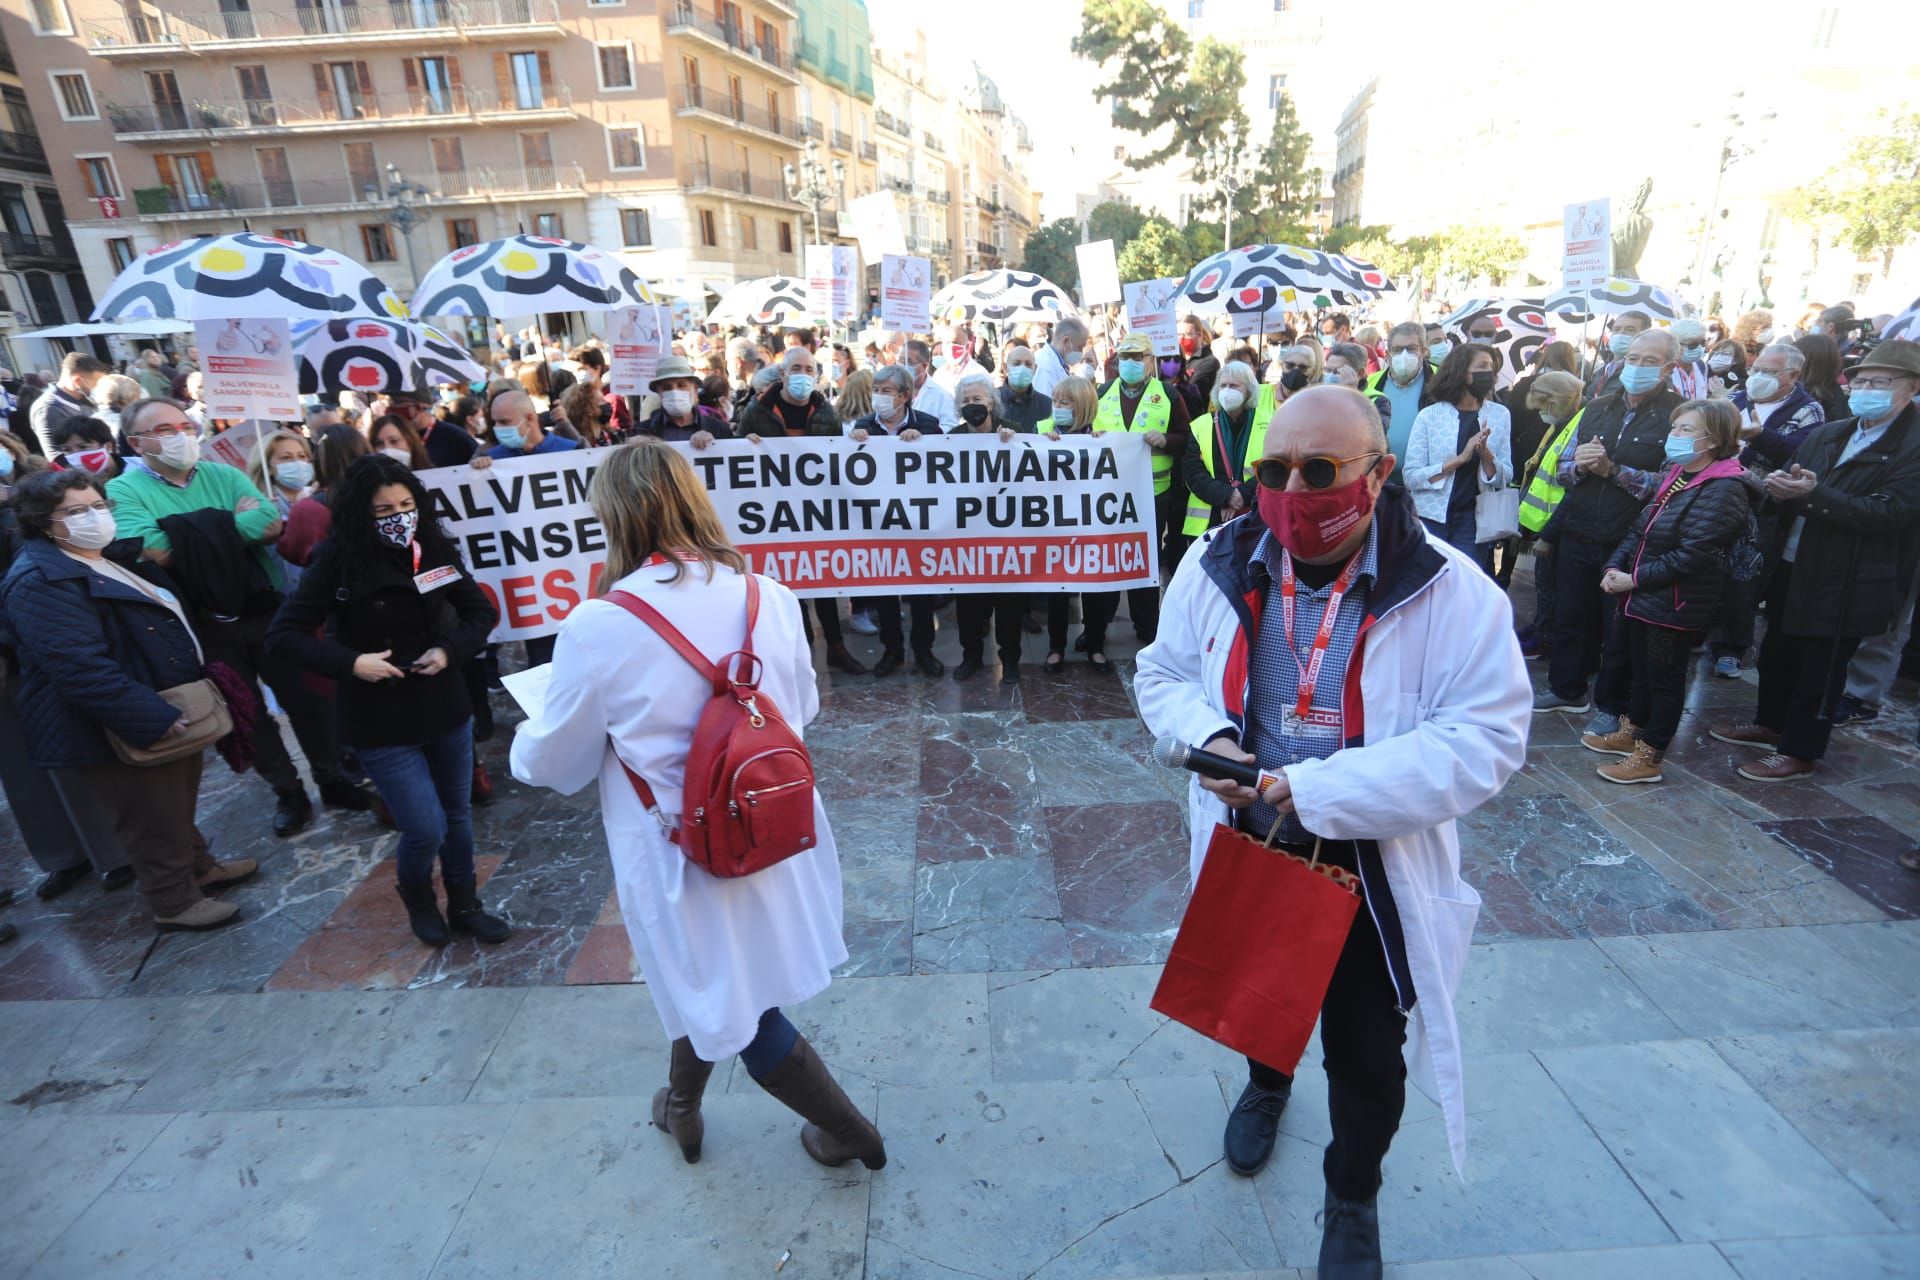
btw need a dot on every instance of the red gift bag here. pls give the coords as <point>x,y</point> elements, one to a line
<point>1256,950</point>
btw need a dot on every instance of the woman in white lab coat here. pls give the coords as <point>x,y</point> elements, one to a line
<point>720,956</point>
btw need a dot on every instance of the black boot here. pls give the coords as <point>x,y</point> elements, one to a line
<point>1350,1239</point>
<point>835,1131</point>
<point>423,913</point>
<point>466,915</point>
<point>294,812</point>
<point>929,665</point>
<point>676,1108</point>
<point>58,882</point>
<point>969,667</point>
<point>1253,1126</point>
<point>889,663</point>
<point>341,794</point>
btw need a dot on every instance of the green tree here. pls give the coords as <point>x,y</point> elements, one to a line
<point>1470,251</point>
<point>1116,221</point>
<point>1341,239</point>
<point>1388,255</point>
<point>1050,252</point>
<point>1158,79</point>
<point>1158,251</point>
<point>1870,201</point>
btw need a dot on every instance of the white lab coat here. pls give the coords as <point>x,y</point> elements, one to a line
<point>715,953</point>
<point>936,400</point>
<point>1447,707</point>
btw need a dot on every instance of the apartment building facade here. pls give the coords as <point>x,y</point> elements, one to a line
<point>836,106</point>
<point>40,280</point>
<point>658,128</point>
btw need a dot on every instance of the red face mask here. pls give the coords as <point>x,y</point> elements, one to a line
<point>1189,345</point>
<point>1310,523</point>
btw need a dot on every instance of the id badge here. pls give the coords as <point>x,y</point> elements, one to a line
<point>434,579</point>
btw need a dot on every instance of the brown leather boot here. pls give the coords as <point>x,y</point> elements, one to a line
<point>835,1131</point>
<point>676,1108</point>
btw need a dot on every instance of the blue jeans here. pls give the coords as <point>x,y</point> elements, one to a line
<point>1457,532</point>
<point>429,788</point>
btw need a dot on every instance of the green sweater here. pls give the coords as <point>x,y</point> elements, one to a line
<point>141,500</point>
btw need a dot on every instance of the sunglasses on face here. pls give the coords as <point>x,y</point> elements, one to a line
<point>1319,473</point>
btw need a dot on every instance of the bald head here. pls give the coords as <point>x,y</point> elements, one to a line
<point>1325,421</point>
<point>513,407</point>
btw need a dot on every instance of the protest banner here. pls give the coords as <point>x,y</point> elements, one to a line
<point>830,517</point>
<point>1150,311</point>
<point>831,272</point>
<point>248,369</point>
<point>906,294</point>
<point>1099,272</point>
<point>640,336</point>
<point>235,446</point>
<point>1586,259</point>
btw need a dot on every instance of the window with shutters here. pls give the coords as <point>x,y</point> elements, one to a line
<point>75,95</point>
<point>462,232</point>
<point>709,233</point>
<point>276,176</point>
<point>121,252</point>
<point>616,65</point>
<point>551,225</point>
<point>345,90</point>
<point>376,241</point>
<point>625,149</point>
<point>536,156</point>
<point>450,166</point>
<point>786,237</point>
<point>636,228</point>
<point>736,98</point>
<point>191,177</point>
<point>528,78</point>
<point>749,232</point>
<point>363,170</point>
<point>431,85</point>
<point>257,93</point>
<point>50,18</point>
<point>163,90</point>
<point>296,234</point>
<point>773,110</point>
<point>101,178</point>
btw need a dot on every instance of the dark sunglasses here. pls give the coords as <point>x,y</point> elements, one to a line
<point>1319,473</point>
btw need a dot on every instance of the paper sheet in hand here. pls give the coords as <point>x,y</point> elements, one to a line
<point>529,688</point>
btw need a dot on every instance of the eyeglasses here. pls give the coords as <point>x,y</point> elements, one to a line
<point>64,512</point>
<point>1871,383</point>
<point>1319,472</point>
<point>166,429</point>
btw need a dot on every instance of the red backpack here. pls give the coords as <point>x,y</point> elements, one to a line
<point>748,798</point>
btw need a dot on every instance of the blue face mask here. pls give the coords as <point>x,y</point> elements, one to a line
<point>1692,354</point>
<point>1062,415</point>
<point>1638,379</point>
<point>6,463</point>
<point>1019,377</point>
<point>1619,342</point>
<point>799,385</point>
<point>1870,404</point>
<point>510,437</point>
<point>1133,371</point>
<point>1682,449</point>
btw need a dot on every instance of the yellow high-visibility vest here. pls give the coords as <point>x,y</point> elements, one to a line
<point>1543,493</point>
<point>1151,414</point>
<point>1199,513</point>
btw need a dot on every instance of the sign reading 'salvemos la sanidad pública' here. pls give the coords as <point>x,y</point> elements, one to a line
<point>830,517</point>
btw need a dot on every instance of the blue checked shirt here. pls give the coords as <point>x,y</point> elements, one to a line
<point>1274,675</point>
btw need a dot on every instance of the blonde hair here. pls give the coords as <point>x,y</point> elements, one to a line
<point>650,503</point>
<point>856,396</point>
<point>1722,423</point>
<point>116,391</point>
<point>257,460</point>
<point>1082,396</point>
<point>1316,355</point>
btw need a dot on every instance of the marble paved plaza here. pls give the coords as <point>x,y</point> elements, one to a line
<point>1692,1020</point>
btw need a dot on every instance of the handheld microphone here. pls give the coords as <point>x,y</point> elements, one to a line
<point>1175,754</point>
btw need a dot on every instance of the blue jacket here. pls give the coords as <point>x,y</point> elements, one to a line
<point>91,652</point>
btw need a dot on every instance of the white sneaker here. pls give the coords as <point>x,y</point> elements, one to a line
<point>863,625</point>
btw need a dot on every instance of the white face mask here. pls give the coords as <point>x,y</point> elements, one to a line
<point>677,403</point>
<point>179,450</point>
<point>1231,398</point>
<point>1762,387</point>
<point>89,530</point>
<point>400,456</point>
<point>1404,364</point>
<point>883,405</point>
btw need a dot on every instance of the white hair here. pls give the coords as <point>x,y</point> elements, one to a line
<point>971,381</point>
<point>1239,374</point>
<point>1688,331</point>
<point>1796,358</point>
<point>1669,345</point>
<point>894,375</point>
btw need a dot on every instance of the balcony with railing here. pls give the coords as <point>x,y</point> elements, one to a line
<point>480,185</point>
<point>711,104</point>
<point>811,128</point>
<point>157,32</point>
<point>936,195</point>
<point>20,248</point>
<point>733,38</point>
<point>903,185</point>
<point>706,178</point>
<point>892,124</point>
<point>842,140</point>
<point>986,249</point>
<point>939,248</point>
<point>933,143</point>
<point>22,151</point>
<point>216,118</point>
<point>870,152</point>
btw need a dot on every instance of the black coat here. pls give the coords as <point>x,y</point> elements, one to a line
<point>1861,545</point>
<point>764,420</point>
<point>925,423</point>
<point>1677,551</point>
<point>91,653</point>
<point>1596,508</point>
<point>370,607</point>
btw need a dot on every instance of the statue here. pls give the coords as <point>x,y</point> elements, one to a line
<point>1630,234</point>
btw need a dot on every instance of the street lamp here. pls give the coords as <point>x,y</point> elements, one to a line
<point>408,209</point>
<point>814,185</point>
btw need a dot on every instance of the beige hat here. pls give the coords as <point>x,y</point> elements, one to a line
<point>672,367</point>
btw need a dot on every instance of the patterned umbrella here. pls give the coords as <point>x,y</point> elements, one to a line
<point>1524,326</point>
<point>1279,277</point>
<point>1905,325</point>
<point>1004,297</point>
<point>527,275</point>
<point>244,276</point>
<point>767,300</point>
<point>1618,294</point>
<point>369,355</point>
